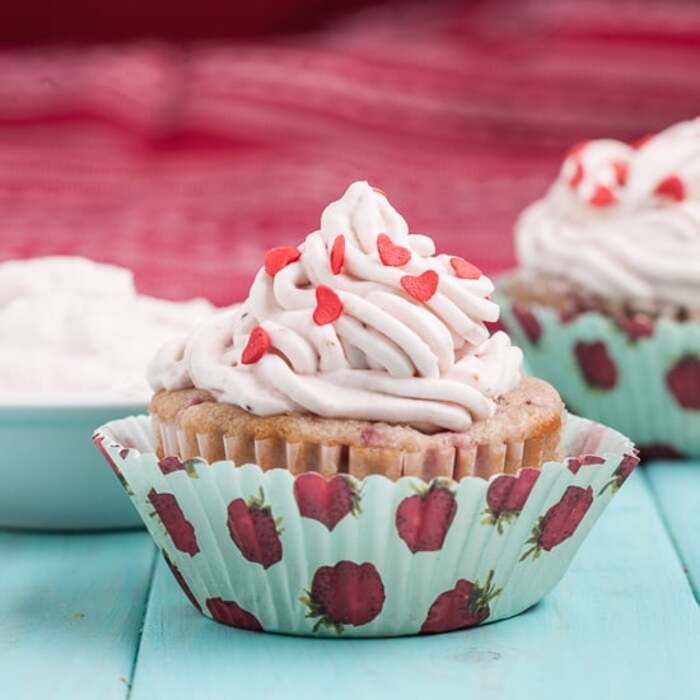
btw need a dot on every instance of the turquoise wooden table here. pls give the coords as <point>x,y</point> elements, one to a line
<point>99,616</point>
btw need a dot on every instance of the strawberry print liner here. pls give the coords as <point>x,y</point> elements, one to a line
<point>641,377</point>
<point>311,555</point>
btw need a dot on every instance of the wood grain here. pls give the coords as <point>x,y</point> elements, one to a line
<point>676,487</point>
<point>71,608</point>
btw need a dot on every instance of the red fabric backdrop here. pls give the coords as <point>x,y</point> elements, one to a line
<point>186,162</point>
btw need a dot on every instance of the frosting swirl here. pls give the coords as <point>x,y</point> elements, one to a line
<point>622,222</point>
<point>363,321</point>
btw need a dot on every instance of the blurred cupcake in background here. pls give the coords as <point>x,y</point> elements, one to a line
<point>606,300</point>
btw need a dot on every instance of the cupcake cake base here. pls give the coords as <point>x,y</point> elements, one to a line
<point>524,432</point>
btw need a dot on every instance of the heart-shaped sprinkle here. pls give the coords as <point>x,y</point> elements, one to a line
<point>602,197</point>
<point>258,345</point>
<point>378,191</point>
<point>465,269</point>
<point>620,168</point>
<point>671,187</point>
<point>390,254</point>
<point>277,258</point>
<point>638,143</point>
<point>577,177</point>
<point>338,254</point>
<point>328,306</point>
<point>421,287</point>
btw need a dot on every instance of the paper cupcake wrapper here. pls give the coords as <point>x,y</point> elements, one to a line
<point>341,557</point>
<point>644,382</point>
<point>299,457</point>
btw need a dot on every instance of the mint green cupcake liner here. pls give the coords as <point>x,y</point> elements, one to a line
<point>643,381</point>
<point>341,557</point>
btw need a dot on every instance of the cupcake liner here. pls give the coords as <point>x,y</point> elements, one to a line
<point>645,382</point>
<point>343,557</point>
<point>299,457</point>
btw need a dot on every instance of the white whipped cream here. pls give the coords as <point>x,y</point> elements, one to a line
<point>68,324</point>
<point>623,222</point>
<point>388,356</point>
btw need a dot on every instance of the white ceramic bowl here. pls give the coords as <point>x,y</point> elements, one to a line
<point>52,477</point>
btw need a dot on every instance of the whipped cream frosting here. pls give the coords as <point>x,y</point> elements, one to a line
<point>621,221</point>
<point>72,325</point>
<point>362,321</point>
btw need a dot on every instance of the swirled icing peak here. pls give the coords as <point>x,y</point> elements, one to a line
<point>362,321</point>
<point>623,221</point>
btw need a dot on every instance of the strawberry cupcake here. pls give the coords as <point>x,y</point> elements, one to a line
<point>351,452</point>
<point>606,300</point>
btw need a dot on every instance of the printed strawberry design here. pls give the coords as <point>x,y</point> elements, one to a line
<point>624,469</point>
<point>596,365</point>
<point>423,520</point>
<point>344,594</point>
<point>495,326</point>
<point>560,521</point>
<point>168,465</point>
<point>575,463</point>
<point>506,497</point>
<point>637,327</point>
<point>228,612</point>
<point>683,381</point>
<point>528,322</point>
<point>99,443</point>
<point>326,500</point>
<point>466,605</point>
<point>659,450</point>
<point>254,531</point>
<point>176,524</point>
<point>181,581</point>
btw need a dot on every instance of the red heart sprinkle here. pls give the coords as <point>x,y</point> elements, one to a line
<point>390,254</point>
<point>638,143</point>
<point>575,179</point>
<point>620,169</point>
<point>576,148</point>
<point>378,191</point>
<point>338,254</point>
<point>671,187</point>
<point>258,345</point>
<point>465,269</point>
<point>421,287</point>
<point>328,306</point>
<point>277,258</point>
<point>602,197</point>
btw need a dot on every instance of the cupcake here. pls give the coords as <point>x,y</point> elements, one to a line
<point>361,352</point>
<point>351,452</point>
<point>606,300</point>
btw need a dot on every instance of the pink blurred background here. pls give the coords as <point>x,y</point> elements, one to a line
<point>183,145</point>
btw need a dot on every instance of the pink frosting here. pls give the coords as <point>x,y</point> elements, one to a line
<point>366,323</point>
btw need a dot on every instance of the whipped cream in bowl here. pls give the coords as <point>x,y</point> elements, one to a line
<point>75,339</point>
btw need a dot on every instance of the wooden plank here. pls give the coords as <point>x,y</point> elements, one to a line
<point>622,624</point>
<point>71,608</point>
<point>676,487</point>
